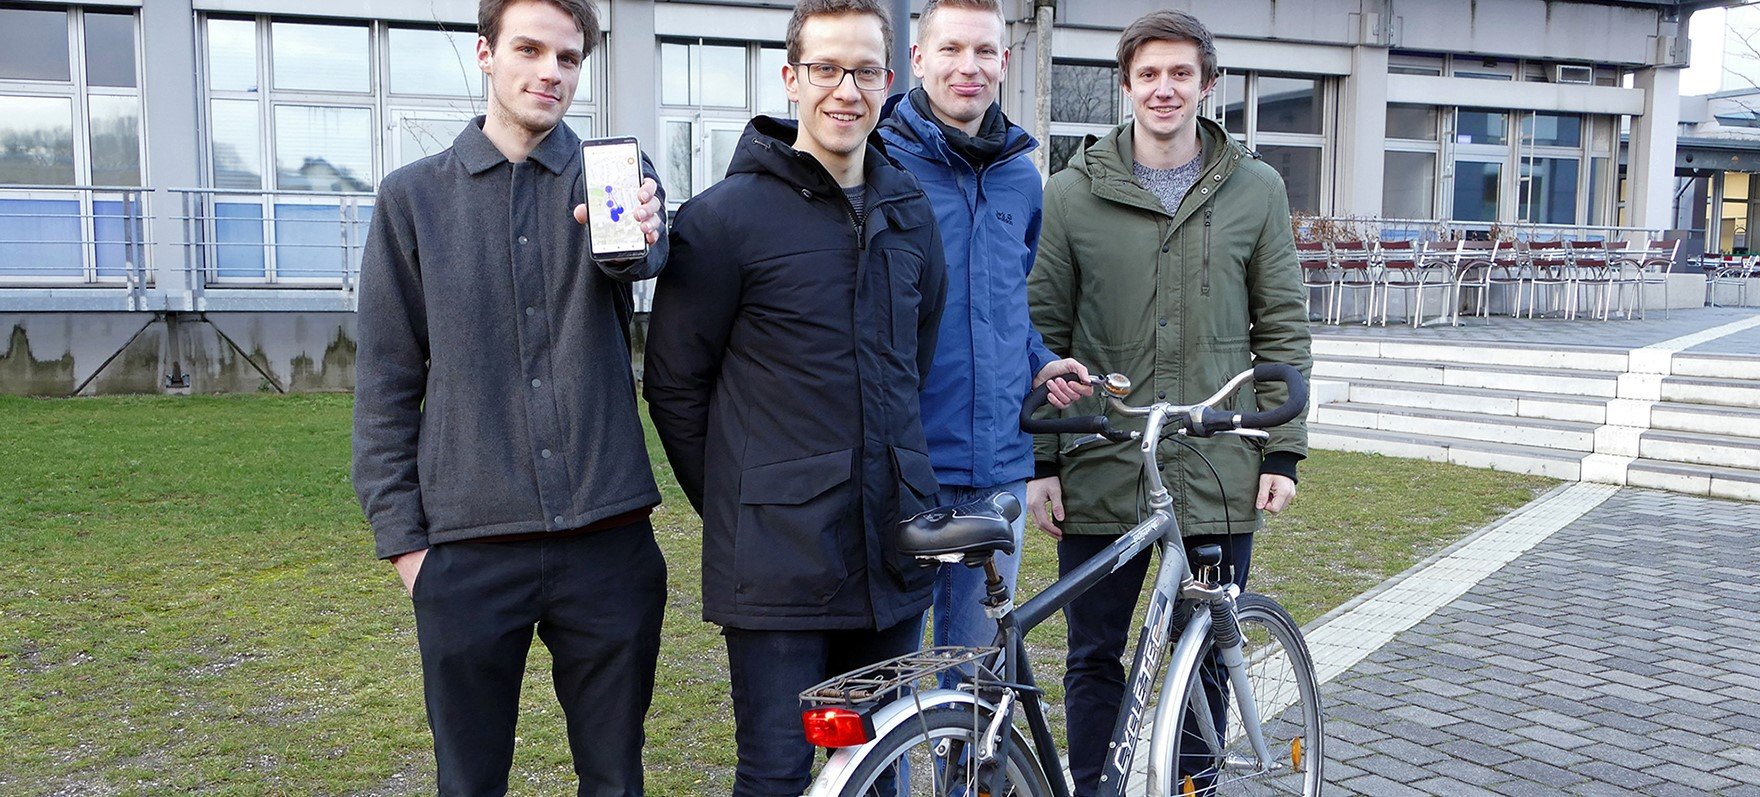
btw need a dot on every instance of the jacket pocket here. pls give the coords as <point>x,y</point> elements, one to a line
<point>795,534</point>
<point>917,489</point>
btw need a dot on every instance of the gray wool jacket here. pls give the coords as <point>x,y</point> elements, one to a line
<point>493,389</point>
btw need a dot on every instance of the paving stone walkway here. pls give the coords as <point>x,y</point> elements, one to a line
<point>1618,655</point>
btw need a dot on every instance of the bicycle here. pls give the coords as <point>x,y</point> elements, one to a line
<point>890,738</point>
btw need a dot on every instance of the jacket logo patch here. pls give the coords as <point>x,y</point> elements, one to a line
<point>1005,218</point>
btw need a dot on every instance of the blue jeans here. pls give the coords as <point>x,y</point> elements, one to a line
<point>958,615</point>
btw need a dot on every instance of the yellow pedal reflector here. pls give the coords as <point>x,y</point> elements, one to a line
<point>1295,752</point>
<point>1186,789</point>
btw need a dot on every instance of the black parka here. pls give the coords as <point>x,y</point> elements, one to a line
<point>785,352</point>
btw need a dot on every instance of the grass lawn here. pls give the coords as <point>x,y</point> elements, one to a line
<point>189,603</point>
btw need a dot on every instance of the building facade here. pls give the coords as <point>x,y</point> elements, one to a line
<point>185,185</point>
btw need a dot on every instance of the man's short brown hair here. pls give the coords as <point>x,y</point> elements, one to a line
<point>806,9</point>
<point>932,6</point>
<point>1176,26</point>
<point>586,18</point>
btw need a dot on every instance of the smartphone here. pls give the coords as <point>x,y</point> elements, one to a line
<point>611,172</point>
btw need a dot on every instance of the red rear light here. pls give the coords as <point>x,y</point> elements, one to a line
<point>836,726</point>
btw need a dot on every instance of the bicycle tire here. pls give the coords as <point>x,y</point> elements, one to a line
<point>911,749</point>
<point>1287,696</point>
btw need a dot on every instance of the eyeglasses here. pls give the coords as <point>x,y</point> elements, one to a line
<point>830,76</point>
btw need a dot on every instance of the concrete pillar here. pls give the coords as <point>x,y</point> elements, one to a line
<point>169,94</point>
<point>1650,161</point>
<point>1362,134</point>
<point>633,63</point>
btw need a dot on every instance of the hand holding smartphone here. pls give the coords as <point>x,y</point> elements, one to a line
<point>611,174</point>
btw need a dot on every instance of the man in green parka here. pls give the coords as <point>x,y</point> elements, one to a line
<point>1167,256</point>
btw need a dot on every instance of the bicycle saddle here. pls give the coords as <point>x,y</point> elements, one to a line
<point>953,532</point>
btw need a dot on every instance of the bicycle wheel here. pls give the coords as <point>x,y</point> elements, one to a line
<point>929,756</point>
<point>1287,700</point>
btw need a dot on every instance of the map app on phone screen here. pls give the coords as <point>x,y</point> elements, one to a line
<point>611,172</point>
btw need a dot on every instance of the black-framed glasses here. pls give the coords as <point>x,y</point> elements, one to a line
<point>830,76</point>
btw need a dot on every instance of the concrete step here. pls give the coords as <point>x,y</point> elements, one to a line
<point>1705,419</point>
<point>1708,390</point>
<point>1697,449</point>
<point>1572,358</point>
<point>1432,372</point>
<point>1717,366</point>
<point>1561,435</point>
<point>1471,453</point>
<point>1486,401</point>
<point>1717,482</point>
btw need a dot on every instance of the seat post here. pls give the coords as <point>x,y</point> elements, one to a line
<point>995,591</point>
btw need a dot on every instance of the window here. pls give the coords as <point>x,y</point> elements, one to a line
<point>70,143</point>
<point>709,90</point>
<point>313,115</point>
<point>1086,99</point>
<point>1286,119</point>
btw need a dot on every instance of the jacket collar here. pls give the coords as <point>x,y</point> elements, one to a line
<point>478,153</point>
<point>923,138</point>
<point>767,147</point>
<point>1107,163</point>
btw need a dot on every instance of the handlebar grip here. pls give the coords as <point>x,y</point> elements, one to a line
<point>1286,412</point>
<point>1087,424</point>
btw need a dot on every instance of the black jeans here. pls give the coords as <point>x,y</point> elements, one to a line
<point>769,670</point>
<point>595,600</point>
<point>1099,621</point>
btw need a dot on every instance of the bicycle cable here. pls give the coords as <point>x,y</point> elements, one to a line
<point>1227,522</point>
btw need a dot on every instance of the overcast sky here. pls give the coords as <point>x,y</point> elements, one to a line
<point>1726,50</point>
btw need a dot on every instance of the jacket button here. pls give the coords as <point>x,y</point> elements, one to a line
<point>557,520</point>
<point>1164,250</point>
<point>1162,322</point>
<point>530,311</point>
<point>522,240</point>
<point>1161,395</point>
<point>545,453</point>
<point>806,193</point>
<point>537,382</point>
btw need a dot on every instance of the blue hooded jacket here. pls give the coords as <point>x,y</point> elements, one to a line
<point>988,350</point>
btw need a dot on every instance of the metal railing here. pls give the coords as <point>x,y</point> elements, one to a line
<point>1369,228</point>
<point>64,236</point>
<point>309,240</point>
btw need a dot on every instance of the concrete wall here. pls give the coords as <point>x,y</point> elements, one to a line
<point>60,354</point>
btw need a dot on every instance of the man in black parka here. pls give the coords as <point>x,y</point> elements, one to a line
<point>791,332</point>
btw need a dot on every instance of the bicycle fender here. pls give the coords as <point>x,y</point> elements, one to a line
<point>837,770</point>
<point>1182,667</point>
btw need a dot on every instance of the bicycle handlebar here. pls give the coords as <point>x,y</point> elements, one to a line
<point>1198,420</point>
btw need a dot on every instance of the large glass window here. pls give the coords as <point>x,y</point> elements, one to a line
<point>333,58</point>
<point>1549,195</point>
<point>1477,187</point>
<point>314,115</point>
<point>435,62</point>
<point>37,133</point>
<point>33,45</point>
<point>1289,105</point>
<point>708,92</point>
<point>1085,100</point>
<point>1408,185</point>
<point>1300,167</point>
<point>70,129</point>
<point>1411,122</point>
<point>1085,94</point>
<point>701,73</point>
<point>1482,127</point>
<point>110,50</point>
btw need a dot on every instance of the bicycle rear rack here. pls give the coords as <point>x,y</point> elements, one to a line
<point>887,680</point>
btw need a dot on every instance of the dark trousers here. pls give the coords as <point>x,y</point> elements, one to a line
<point>594,599</point>
<point>769,670</point>
<point>1099,621</point>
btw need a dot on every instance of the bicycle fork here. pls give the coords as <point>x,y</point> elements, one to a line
<point>1214,615</point>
